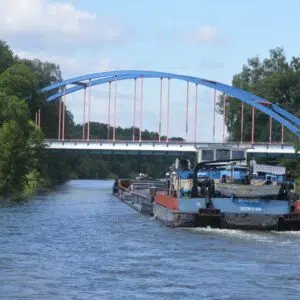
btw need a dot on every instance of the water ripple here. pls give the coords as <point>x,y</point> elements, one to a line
<point>78,242</point>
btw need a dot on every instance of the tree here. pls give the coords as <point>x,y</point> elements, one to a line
<point>274,79</point>
<point>6,57</point>
<point>47,73</point>
<point>12,108</point>
<point>20,81</point>
<point>35,147</point>
<point>13,158</point>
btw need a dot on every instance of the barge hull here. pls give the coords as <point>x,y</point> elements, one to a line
<point>136,202</point>
<point>173,218</point>
<point>182,219</point>
<point>143,208</point>
<point>250,221</point>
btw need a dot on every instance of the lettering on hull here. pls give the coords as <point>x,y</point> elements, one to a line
<point>250,205</point>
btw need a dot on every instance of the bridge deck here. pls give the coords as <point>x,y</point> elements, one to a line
<point>171,146</point>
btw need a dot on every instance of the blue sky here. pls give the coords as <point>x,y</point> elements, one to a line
<point>158,33</point>
<point>209,39</point>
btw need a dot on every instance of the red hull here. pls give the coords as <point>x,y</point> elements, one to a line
<point>167,201</point>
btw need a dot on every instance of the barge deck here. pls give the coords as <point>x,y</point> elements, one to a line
<point>139,195</point>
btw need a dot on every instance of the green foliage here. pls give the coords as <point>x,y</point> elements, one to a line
<point>32,182</point>
<point>6,57</point>
<point>277,80</point>
<point>46,72</point>
<point>112,166</point>
<point>35,148</point>
<point>12,108</point>
<point>13,157</point>
<point>22,154</point>
<point>274,79</point>
<point>20,81</point>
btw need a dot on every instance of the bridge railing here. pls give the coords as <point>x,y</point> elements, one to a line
<point>156,142</point>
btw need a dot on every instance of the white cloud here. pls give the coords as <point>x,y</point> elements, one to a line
<point>72,66</point>
<point>44,23</point>
<point>75,39</point>
<point>205,34</point>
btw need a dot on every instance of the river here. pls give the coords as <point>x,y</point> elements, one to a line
<point>79,242</point>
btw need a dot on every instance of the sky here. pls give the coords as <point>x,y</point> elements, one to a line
<point>211,39</point>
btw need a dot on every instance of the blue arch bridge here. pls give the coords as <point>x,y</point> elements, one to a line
<point>163,145</point>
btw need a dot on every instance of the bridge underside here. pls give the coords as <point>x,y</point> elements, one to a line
<point>208,151</point>
<point>250,154</point>
<point>272,155</point>
<point>120,152</point>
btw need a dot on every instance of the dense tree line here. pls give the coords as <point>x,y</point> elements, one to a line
<point>275,79</point>
<point>111,166</point>
<point>24,163</point>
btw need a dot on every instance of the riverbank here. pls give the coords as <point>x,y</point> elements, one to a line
<point>32,189</point>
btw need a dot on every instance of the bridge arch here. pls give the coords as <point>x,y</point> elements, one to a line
<point>282,116</point>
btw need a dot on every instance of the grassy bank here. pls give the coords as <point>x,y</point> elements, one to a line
<point>34,184</point>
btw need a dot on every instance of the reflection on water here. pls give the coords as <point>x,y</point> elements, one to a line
<point>79,242</point>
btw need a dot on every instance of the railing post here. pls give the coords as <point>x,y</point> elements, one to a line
<point>187,112</point>
<point>160,109</point>
<point>141,112</point>
<point>224,118</point>
<point>168,110</point>
<point>134,111</point>
<point>242,122</point>
<point>89,111</point>
<point>115,110</point>
<point>214,116</point>
<point>63,122</point>
<point>63,115</point>
<point>196,113</point>
<point>108,117</point>
<point>253,125</point>
<point>84,104</point>
<point>59,118</point>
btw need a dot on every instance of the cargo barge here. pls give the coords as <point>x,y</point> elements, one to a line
<point>196,198</point>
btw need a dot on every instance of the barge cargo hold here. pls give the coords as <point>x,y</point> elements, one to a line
<point>138,194</point>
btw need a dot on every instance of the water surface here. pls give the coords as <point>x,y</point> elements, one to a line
<point>79,242</point>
